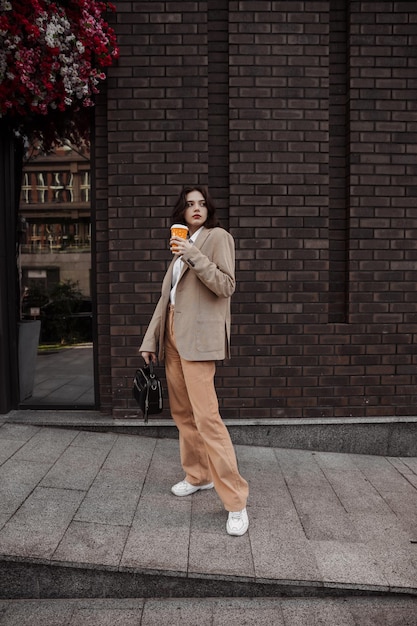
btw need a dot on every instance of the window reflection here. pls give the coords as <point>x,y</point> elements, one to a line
<point>55,272</point>
<point>56,217</point>
<point>56,202</point>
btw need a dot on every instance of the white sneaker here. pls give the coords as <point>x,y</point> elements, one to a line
<point>237,523</point>
<point>184,488</point>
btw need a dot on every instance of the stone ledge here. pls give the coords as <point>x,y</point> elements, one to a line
<point>387,436</point>
<point>30,579</point>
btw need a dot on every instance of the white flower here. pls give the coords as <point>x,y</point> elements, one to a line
<point>3,61</point>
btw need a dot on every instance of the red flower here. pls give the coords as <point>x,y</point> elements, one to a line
<point>51,58</point>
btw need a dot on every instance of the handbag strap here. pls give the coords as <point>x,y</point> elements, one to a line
<point>152,377</point>
<point>149,386</point>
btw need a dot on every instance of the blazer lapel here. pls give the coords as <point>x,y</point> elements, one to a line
<point>183,270</point>
<point>167,282</point>
<point>198,243</point>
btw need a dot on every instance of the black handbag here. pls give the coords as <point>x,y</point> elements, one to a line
<point>147,391</point>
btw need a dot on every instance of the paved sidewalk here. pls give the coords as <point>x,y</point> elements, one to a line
<point>91,514</point>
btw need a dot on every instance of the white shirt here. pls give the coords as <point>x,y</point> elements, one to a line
<point>176,270</point>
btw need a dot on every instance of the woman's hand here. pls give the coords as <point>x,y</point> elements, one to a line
<point>149,356</point>
<point>179,246</point>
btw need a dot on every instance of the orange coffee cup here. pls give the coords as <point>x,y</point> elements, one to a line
<point>179,230</point>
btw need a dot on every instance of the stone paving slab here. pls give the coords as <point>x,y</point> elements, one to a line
<point>211,612</point>
<point>100,503</point>
<point>38,526</point>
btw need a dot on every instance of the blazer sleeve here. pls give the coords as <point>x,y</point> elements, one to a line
<point>216,270</point>
<point>150,341</point>
<point>153,339</point>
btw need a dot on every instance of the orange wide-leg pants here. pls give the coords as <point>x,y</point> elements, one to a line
<point>206,450</point>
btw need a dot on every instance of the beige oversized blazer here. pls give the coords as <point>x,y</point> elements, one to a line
<point>202,301</point>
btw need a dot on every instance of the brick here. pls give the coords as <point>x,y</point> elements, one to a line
<point>242,102</point>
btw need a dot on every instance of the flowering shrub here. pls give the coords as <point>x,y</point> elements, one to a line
<point>52,56</point>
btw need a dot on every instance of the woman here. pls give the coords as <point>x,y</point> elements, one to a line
<point>190,330</point>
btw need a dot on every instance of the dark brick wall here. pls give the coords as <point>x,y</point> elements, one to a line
<point>301,117</point>
<point>383,210</point>
<point>278,203</point>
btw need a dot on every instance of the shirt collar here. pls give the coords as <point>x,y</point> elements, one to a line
<point>194,237</point>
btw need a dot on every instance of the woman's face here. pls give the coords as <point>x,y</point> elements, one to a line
<point>196,212</point>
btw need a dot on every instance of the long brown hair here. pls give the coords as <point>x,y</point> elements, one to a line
<point>180,206</point>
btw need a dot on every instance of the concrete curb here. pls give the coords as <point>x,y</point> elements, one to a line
<point>37,578</point>
<point>386,436</point>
